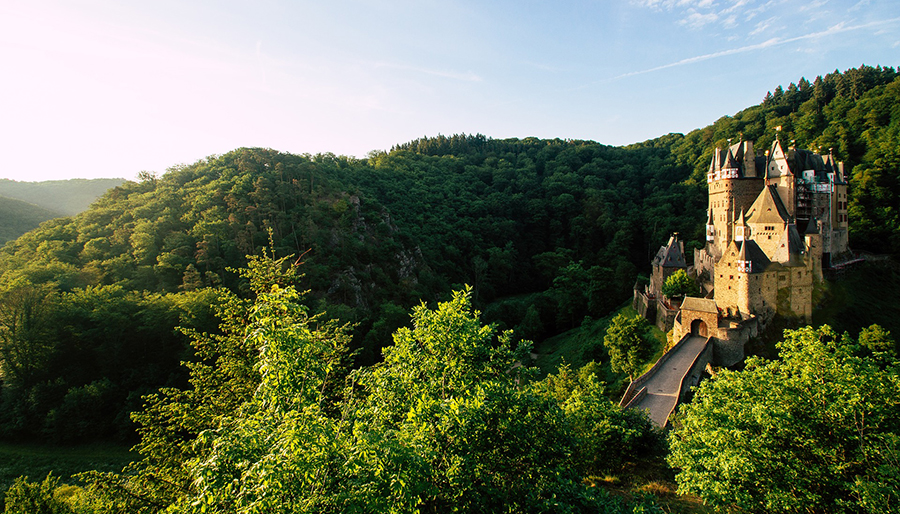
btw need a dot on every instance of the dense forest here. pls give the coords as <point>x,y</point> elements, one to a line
<point>99,310</point>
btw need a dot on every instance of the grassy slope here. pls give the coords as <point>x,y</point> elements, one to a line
<point>585,343</point>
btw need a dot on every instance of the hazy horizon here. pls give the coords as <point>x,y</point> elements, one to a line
<point>100,89</point>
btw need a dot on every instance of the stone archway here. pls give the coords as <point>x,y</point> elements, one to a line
<point>698,328</point>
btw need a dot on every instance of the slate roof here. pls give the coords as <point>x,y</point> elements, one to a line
<point>750,251</point>
<point>737,156</point>
<point>670,255</point>
<point>768,208</point>
<point>812,227</point>
<point>777,164</point>
<point>699,305</point>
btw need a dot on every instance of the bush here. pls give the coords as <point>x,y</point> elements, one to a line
<point>26,497</point>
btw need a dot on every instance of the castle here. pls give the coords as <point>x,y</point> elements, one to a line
<point>774,221</point>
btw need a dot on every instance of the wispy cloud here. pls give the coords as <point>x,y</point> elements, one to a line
<point>762,26</point>
<point>769,43</point>
<point>696,20</point>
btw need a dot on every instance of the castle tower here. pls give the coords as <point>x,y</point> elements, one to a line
<point>734,181</point>
<point>779,174</point>
<point>813,238</point>
<point>668,260</point>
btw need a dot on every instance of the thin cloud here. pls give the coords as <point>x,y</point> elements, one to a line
<point>696,20</point>
<point>762,26</point>
<point>769,43</point>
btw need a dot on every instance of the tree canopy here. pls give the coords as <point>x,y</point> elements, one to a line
<point>680,284</point>
<point>627,343</point>
<point>816,430</point>
<point>449,420</point>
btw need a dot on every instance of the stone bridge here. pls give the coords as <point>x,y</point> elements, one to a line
<point>661,389</point>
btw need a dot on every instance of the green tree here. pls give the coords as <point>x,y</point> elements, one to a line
<point>25,497</point>
<point>680,284</point>
<point>606,435</point>
<point>627,343</point>
<point>815,431</point>
<point>440,424</point>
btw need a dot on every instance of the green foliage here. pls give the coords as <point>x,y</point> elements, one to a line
<point>273,423</point>
<point>75,364</point>
<point>852,114</point>
<point>878,340</point>
<point>680,284</point>
<point>25,497</point>
<point>606,435</point>
<point>628,344</point>
<point>816,430</point>
<point>62,461</point>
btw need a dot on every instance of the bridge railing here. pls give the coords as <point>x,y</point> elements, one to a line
<point>639,382</point>
<point>637,398</point>
<point>702,359</point>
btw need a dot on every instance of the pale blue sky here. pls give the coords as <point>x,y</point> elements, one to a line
<point>99,88</point>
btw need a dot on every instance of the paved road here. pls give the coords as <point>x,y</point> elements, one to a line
<point>663,387</point>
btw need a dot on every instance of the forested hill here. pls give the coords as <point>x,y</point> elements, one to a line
<point>18,217</point>
<point>546,231</point>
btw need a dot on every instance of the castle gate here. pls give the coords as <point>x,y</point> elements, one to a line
<point>698,328</point>
<point>698,317</point>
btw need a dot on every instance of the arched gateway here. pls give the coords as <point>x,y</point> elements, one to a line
<point>698,328</point>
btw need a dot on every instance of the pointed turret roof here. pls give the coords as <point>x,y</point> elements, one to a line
<point>670,255</point>
<point>768,208</point>
<point>777,163</point>
<point>730,161</point>
<point>752,253</point>
<point>812,227</point>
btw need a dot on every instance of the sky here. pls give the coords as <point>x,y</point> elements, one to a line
<point>102,88</point>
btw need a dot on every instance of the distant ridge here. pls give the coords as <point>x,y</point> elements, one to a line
<point>65,197</point>
<point>18,217</point>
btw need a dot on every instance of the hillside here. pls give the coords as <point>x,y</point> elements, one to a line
<point>67,197</point>
<point>547,232</point>
<point>18,217</point>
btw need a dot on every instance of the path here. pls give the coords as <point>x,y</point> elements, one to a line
<point>664,386</point>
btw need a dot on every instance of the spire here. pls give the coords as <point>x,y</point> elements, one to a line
<point>741,231</point>
<point>744,264</point>
<point>812,227</point>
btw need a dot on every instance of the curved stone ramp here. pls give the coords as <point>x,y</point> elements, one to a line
<point>662,388</point>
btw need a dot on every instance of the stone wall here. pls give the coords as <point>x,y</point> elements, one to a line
<point>665,316</point>
<point>644,305</point>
